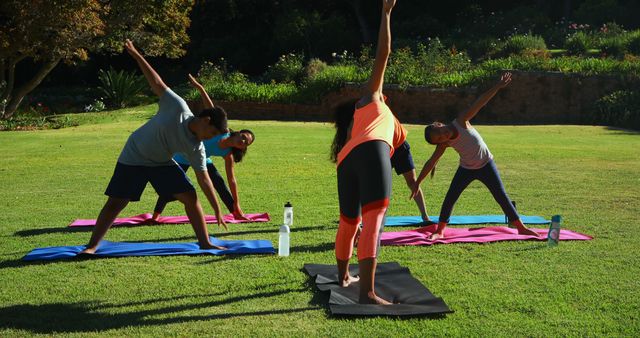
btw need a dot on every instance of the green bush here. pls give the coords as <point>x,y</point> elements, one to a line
<point>578,43</point>
<point>433,65</point>
<point>426,64</point>
<point>314,67</point>
<point>620,109</point>
<point>519,44</point>
<point>34,119</point>
<point>634,42</point>
<point>615,46</point>
<point>120,88</point>
<point>288,69</point>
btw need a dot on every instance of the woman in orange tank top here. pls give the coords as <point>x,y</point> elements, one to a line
<point>361,149</point>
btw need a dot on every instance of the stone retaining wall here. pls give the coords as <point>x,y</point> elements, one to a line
<point>532,98</point>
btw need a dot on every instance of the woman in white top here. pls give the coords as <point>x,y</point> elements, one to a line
<point>476,162</point>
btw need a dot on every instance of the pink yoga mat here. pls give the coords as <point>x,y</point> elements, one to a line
<point>420,236</point>
<point>145,219</point>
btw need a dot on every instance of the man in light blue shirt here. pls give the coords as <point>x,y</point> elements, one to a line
<point>147,157</point>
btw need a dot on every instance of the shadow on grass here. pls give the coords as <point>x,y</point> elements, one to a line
<point>329,246</point>
<point>87,317</point>
<point>47,231</point>
<point>622,131</point>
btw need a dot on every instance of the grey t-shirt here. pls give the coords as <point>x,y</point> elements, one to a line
<point>166,133</point>
<point>474,153</point>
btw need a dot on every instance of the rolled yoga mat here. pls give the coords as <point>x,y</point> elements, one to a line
<point>122,249</point>
<point>393,283</point>
<point>420,236</point>
<point>145,219</point>
<point>394,221</point>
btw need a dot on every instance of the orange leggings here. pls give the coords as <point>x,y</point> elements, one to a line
<point>372,217</point>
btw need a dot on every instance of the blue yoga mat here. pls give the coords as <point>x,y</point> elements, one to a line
<point>121,249</point>
<point>395,221</point>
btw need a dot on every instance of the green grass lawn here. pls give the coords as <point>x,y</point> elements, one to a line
<point>589,175</point>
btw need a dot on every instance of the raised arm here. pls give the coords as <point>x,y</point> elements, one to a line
<point>206,100</point>
<point>467,115</point>
<point>207,187</point>
<point>233,186</point>
<point>428,166</point>
<point>374,86</point>
<point>155,81</point>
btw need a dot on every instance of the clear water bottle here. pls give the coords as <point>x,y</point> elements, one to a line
<point>554,231</point>
<point>283,242</point>
<point>288,214</point>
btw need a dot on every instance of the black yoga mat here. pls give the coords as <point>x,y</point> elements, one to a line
<point>393,283</point>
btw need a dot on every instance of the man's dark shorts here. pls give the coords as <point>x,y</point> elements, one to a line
<point>129,181</point>
<point>402,161</point>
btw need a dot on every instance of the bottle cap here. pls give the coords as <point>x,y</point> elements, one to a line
<point>284,229</point>
<point>556,218</point>
<point>288,205</point>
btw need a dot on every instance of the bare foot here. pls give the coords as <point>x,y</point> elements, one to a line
<point>528,232</point>
<point>372,298</point>
<point>436,235</point>
<point>348,280</point>
<point>88,251</point>
<point>210,246</point>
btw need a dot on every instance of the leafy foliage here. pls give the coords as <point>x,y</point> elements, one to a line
<point>520,44</point>
<point>578,43</point>
<point>48,32</point>
<point>620,109</point>
<point>120,88</point>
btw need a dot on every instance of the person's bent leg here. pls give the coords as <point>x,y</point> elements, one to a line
<point>410,178</point>
<point>172,181</point>
<point>490,176</point>
<point>161,203</point>
<point>163,200</point>
<point>196,216</point>
<point>460,181</point>
<point>107,215</point>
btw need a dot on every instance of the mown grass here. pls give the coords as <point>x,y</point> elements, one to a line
<point>588,174</point>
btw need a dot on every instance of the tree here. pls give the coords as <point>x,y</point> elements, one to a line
<point>46,32</point>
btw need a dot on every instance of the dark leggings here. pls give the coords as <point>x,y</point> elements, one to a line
<point>364,187</point>
<point>490,177</point>
<point>218,184</point>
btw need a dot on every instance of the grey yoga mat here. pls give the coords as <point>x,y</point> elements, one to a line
<point>393,283</point>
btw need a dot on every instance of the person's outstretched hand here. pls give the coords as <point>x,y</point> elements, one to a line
<point>387,5</point>
<point>221,222</point>
<point>505,79</point>
<point>131,49</point>
<point>194,82</point>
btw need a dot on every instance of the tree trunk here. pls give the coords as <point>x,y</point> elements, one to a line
<point>17,95</point>
<point>362,21</point>
<point>8,75</point>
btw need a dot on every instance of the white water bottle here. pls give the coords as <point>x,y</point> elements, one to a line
<point>283,243</point>
<point>288,214</point>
